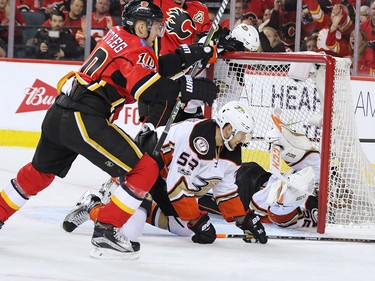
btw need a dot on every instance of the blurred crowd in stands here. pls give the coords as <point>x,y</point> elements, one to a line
<point>55,29</point>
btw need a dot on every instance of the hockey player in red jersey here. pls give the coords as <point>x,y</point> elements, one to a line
<point>199,156</point>
<point>121,69</point>
<point>184,20</point>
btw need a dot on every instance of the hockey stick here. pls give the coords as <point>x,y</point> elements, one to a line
<point>211,32</point>
<point>165,132</point>
<point>249,236</point>
<point>179,104</point>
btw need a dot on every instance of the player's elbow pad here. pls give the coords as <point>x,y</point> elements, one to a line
<point>170,65</point>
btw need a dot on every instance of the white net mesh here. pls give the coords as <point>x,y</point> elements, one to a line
<point>264,85</point>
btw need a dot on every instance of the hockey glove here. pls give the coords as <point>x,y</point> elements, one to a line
<point>251,225</point>
<point>146,140</point>
<point>198,89</point>
<point>205,232</point>
<point>228,43</point>
<point>193,53</point>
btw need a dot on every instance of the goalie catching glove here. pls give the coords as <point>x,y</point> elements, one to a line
<point>204,231</point>
<point>198,89</point>
<point>193,53</point>
<point>251,225</point>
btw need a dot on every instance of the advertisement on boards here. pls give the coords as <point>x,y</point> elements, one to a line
<point>29,88</point>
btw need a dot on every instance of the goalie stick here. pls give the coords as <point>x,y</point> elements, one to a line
<point>179,104</point>
<point>335,239</point>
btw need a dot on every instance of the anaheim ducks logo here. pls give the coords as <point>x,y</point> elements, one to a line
<point>180,23</point>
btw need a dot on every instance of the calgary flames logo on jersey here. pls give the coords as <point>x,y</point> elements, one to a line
<point>180,23</point>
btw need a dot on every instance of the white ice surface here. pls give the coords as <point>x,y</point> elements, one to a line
<point>33,246</point>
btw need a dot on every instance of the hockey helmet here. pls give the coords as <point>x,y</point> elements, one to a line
<point>248,35</point>
<point>144,10</point>
<point>238,116</point>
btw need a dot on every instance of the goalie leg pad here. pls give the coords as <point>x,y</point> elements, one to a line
<point>284,216</point>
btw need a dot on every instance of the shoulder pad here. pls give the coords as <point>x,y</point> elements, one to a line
<point>202,139</point>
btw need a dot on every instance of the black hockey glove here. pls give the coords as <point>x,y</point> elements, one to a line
<point>193,53</point>
<point>205,232</point>
<point>146,140</point>
<point>198,89</point>
<point>229,43</point>
<point>251,225</point>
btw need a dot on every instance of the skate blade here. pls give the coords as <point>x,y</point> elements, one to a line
<point>103,253</point>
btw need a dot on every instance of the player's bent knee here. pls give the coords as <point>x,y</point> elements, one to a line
<point>32,181</point>
<point>142,177</point>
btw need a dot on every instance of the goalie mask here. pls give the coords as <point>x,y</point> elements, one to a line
<point>238,116</point>
<point>293,145</point>
<point>248,35</point>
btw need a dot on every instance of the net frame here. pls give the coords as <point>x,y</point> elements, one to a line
<point>330,96</point>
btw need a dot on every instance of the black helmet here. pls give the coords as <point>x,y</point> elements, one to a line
<point>140,10</point>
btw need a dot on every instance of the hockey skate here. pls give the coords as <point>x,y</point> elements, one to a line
<point>80,213</point>
<point>1,224</point>
<point>111,243</point>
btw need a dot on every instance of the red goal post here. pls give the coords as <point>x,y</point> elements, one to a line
<point>263,81</point>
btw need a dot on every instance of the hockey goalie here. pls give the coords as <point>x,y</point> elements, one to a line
<point>291,199</point>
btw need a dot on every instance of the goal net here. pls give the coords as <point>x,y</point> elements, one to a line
<point>264,82</point>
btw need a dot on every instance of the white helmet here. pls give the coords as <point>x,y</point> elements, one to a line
<point>238,116</point>
<point>248,35</point>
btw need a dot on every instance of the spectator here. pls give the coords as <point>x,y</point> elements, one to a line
<point>258,7</point>
<point>364,13</point>
<point>28,5</point>
<point>332,40</point>
<point>3,48</point>
<point>116,8</point>
<point>212,14</point>
<point>56,42</point>
<point>269,39</point>
<point>49,5</point>
<point>308,24</point>
<point>250,19</point>
<point>238,12</point>
<point>101,22</point>
<point>4,22</point>
<point>266,15</point>
<point>311,43</point>
<point>366,55</point>
<point>73,17</point>
<point>369,25</point>
<point>283,20</point>
<point>323,15</point>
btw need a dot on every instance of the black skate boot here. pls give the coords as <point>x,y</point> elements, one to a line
<point>80,213</point>
<point>110,242</point>
<point>1,224</point>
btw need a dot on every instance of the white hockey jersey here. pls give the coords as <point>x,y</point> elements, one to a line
<point>195,166</point>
